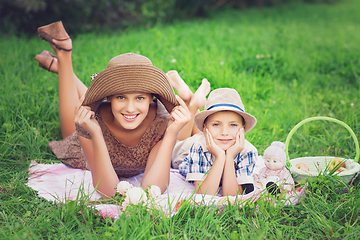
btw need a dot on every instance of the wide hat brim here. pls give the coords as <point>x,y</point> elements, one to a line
<point>250,120</point>
<point>130,78</point>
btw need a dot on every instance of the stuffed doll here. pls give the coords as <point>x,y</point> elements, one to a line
<point>275,177</point>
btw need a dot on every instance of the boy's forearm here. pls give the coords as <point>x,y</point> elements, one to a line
<point>230,185</point>
<point>211,183</point>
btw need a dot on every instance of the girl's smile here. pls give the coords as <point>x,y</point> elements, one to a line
<point>129,117</point>
<point>130,109</point>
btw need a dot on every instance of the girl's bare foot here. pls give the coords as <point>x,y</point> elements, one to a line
<point>199,97</point>
<point>178,83</point>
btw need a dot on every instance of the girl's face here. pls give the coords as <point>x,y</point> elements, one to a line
<point>223,127</point>
<point>274,163</point>
<point>130,109</point>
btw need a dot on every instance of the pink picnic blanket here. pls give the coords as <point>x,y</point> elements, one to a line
<point>58,183</point>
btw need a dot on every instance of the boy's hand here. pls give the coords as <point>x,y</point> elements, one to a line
<point>212,146</point>
<point>179,117</point>
<point>238,145</point>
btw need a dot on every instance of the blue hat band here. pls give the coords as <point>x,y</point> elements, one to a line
<point>225,105</point>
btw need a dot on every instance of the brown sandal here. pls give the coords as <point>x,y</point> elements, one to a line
<point>53,31</point>
<point>45,60</point>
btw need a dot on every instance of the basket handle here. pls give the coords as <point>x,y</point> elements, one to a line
<point>320,118</point>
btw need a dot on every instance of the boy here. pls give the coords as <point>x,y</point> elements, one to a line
<point>220,155</point>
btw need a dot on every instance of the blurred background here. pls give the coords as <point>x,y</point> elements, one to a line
<point>21,17</point>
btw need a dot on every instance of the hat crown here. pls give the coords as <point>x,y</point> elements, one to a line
<point>224,97</point>
<point>130,72</point>
<point>129,59</point>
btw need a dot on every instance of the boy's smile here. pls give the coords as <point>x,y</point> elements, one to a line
<point>223,127</point>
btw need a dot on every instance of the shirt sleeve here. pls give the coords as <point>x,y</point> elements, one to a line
<point>244,166</point>
<point>196,164</point>
<point>82,132</point>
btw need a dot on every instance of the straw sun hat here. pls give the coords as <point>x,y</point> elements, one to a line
<point>127,73</point>
<point>224,99</point>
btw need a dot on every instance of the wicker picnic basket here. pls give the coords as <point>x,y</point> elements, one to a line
<point>319,163</point>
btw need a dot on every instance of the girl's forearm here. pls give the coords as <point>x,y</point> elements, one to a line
<point>157,171</point>
<point>230,185</point>
<point>102,171</point>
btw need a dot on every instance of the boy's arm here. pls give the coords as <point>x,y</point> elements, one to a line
<point>230,185</point>
<point>211,183</point>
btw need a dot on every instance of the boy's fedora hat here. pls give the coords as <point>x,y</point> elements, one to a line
<point>128,73</point>
<point>224,99</point>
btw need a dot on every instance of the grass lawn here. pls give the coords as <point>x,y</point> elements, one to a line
<point>288,63</point>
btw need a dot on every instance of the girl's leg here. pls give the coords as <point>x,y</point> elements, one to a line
<point>70,88</point>
<point>49,62</point>
<point>193,101</point>
<point>80,86</point>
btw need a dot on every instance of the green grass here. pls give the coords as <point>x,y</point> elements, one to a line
<point>288,63</point>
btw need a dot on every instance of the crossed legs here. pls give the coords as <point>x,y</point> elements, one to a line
<point>71,89</point>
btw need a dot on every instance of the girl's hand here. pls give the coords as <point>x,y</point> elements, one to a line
<point>212,146</point>
<point>86,118</point>
<point>179,117</point>
<point>238,145</point>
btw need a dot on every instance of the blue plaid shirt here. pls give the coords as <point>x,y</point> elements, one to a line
<point>199,161</point>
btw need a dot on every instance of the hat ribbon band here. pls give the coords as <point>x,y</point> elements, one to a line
<point>225,105</point>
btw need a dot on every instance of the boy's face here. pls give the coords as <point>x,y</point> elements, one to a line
<point>223,127</point>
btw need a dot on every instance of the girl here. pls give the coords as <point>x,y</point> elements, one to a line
<point>122,125</point>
